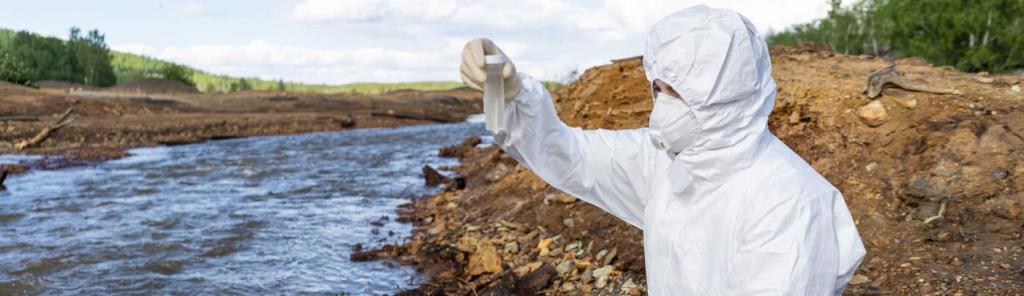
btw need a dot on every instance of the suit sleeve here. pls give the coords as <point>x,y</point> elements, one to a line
<point>609,169</point>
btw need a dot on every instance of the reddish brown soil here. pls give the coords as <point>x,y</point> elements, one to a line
<point>962,151</point>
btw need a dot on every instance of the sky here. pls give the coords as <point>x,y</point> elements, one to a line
<point>343,41</point>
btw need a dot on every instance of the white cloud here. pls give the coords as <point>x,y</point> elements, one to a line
<point>397,40</point>
<point>193,9</point>
<point>370,10</point>
<point>451,15</point>
<point>272,61</point>
<point>323,10</point>
<point>638,16</point>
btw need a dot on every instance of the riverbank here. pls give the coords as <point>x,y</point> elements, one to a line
<point>935,183</point>
<point>105,123</point>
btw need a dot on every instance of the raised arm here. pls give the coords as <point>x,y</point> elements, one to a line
<point>609,169</point>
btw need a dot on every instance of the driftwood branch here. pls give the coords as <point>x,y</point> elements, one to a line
<point>888,77</point>
<point>414,116</point>
<point>64,120</point>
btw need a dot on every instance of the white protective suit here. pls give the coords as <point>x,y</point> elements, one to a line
<point>736,213</point>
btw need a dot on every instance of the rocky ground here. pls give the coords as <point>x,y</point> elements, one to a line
<point>105,122</point>
<point>935,183</point>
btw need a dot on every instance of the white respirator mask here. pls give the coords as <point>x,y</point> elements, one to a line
<point>673,127</point>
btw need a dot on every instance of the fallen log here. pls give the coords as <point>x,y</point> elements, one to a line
<point>415,116</point>
<point>888,77</point>
<point>64,120</point>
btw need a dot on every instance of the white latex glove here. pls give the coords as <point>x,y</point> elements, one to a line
<point>474,71</point>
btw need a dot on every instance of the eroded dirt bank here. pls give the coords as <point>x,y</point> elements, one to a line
<point>108,121</point>
<point>934,182</point>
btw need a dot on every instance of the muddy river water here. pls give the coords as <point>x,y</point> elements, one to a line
<point>265,215</point>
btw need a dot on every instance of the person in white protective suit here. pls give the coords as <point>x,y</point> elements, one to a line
<point>725,207</point>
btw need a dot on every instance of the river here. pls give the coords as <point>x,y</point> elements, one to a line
<point>262,215</point>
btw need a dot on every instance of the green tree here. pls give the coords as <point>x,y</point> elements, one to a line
<point>43,57</point>
<point>280,85</point>
<point>243,85</point>
<point>80,59</point>
<point>13,70</point>
<point>177,72</point>
<point>89,59</point>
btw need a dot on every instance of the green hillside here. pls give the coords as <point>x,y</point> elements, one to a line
<point>128,66</point>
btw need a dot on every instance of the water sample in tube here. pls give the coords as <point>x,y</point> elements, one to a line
<point>494,94</point>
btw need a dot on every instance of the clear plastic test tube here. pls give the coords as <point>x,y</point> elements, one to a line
<point>494,94</point>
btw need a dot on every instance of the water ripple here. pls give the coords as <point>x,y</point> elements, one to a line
<point>249,216</point>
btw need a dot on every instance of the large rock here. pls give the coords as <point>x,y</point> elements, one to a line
<point>433,177</point>
<point>484,260</point>
<point>559,197</point>
<point>930,189</point>
<point>1007,207</point>
<point>536,280</point>
<point>906,102</point>
<point>873,114</point>
<point>497,172</point>
<point>460,149</point>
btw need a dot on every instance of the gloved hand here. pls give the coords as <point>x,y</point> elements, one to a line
<point>474,68</point>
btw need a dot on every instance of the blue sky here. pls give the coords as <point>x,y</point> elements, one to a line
<point>341,41</point>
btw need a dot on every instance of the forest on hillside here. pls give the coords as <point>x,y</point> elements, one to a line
<point>971,35</point>
<point>27,58</point>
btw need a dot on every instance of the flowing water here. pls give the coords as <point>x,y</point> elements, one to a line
<point>265,215</point>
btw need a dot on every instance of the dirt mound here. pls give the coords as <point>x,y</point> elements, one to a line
<point>935,184</point>
<point>64,85</point>
<point>155,86</point>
